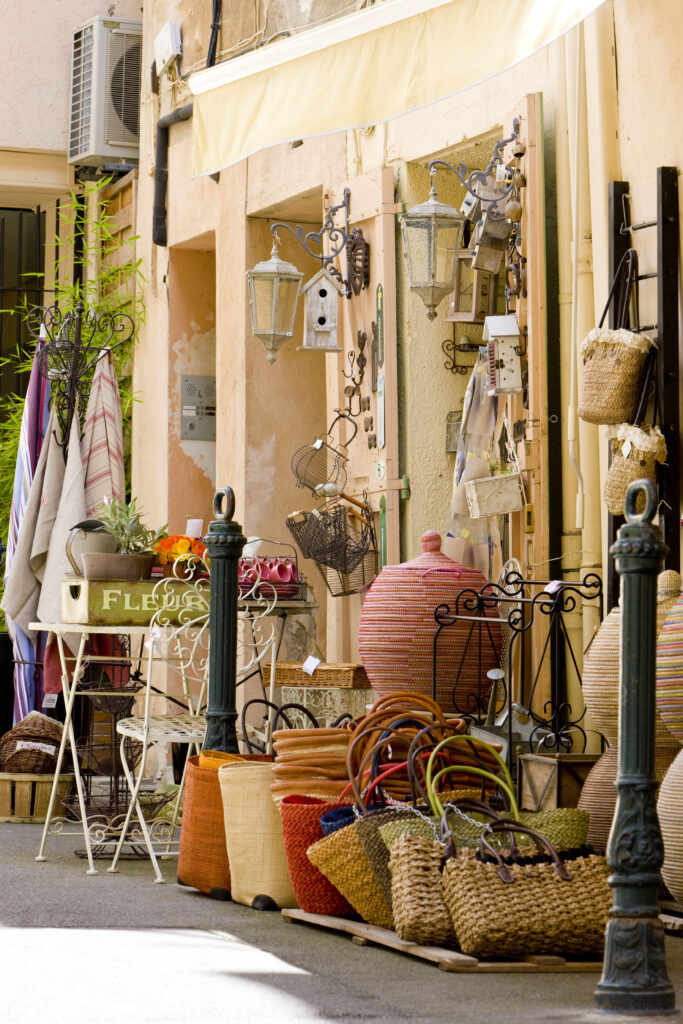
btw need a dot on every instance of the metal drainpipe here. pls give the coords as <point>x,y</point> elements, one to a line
<point>159,233</point>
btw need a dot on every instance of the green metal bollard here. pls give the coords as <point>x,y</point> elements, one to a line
<point>224,545</point>
<point>634,977</point>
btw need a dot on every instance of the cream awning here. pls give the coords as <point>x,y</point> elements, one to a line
<point>364,69</point>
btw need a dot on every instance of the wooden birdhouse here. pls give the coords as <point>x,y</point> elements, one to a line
<point>501,334</point>
<point>321,306</point>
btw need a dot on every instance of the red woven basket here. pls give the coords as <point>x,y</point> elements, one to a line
<point>300,829</point>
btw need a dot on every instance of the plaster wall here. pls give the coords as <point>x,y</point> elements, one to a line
<point>35,54</point>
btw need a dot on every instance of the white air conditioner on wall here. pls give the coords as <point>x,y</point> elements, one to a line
<point>105,93</point>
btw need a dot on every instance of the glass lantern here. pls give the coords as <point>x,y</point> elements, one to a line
<point>274,288</point>
<point>432,234</point>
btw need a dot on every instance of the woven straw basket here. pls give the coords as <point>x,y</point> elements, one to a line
<point>670,811</point>
<point>301,828</point>
<point>536,913</point>
<point>203,856</point>
<point>31,747</point>
<point>420,914</point>
<point>341,858</point>
<point>599,797</point>
<point>253,830</point>
<point>612,365</point>
<point>669,670</point>
<point>601,665</point>
<point>635,453</point>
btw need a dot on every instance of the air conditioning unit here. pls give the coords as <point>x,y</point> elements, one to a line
<point>104,127</point>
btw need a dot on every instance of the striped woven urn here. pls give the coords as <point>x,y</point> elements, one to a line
<point>669,678</point>
<point>397,627</point>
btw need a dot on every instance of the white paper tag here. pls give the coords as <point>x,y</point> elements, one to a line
<point>310,665</point>
<point>552,587</point>
<point>194,528</point>
<point>626,448</point>
<point>50,700</point>
<point>317,443</point>
<point>47,748</point>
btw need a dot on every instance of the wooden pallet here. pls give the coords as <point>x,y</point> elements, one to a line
<point>445,959</point>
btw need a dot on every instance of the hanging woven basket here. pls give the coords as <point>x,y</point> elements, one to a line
<point>612,366</point>
<point>635,454</point>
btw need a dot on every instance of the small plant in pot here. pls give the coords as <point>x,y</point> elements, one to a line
<point>135,542</point>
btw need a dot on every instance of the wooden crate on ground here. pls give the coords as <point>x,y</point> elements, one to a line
<point>24,798</point>
<point>547,781</point>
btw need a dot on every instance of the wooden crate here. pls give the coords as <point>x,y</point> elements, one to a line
<point>547,781</point>
<point>118,602</point>
<point>290,673</point>
<point>24,797</point>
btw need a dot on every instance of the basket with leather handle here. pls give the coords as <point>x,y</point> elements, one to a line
<point>515,905</point>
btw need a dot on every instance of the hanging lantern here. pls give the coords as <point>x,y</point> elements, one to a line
<point>432,233</point>
<point>273,293</point>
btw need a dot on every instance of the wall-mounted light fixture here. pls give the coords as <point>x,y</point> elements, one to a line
<point>432,231</point>
<point>262,279</point>
<point>274,287</point>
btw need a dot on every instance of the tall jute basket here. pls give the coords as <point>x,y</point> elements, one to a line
<point>203,856</point>
<point>670,811</point>
<point>599,797</point>
<point>602,663</point>
<point>253,830</point>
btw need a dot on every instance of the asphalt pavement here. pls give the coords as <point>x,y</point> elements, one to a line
<point>79,949</point>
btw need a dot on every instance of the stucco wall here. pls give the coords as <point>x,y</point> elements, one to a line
<point>36,88</point>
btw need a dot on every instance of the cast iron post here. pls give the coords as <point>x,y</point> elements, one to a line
<point>634,977</point>
<point>224,544</point>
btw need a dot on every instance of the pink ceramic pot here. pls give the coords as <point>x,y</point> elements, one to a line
<point>397,627</point>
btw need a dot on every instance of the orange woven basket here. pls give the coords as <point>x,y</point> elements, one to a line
<point>203,856</point>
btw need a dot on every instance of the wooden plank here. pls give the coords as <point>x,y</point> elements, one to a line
<point>6,799</point>
<point>449,960</point>
<point>22,799</point>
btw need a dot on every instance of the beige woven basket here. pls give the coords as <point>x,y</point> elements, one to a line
<point>291,673</point>
<point>670,811</point>
<point>612,365</point>
<point>601,665</point>
<point>420,914</point>
<point>253,831</point>
<point>635,454</point>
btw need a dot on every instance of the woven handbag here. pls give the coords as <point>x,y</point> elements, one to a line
<point>420,914</point>
<point>253,831</point>
<point>341,858</point>
<point>513,906</point>
<point>635,453</point>
<point>613,359</point>
<point>300,829</point>
<point>203,855</point>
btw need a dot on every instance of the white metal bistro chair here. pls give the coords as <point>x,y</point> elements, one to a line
<point>184,648</point>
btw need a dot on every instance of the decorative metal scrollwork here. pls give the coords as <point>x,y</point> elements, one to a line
<point>339,238</point>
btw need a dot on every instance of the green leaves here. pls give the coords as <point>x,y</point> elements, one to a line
<point>124,522</point>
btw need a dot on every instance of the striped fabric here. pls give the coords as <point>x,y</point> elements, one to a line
<point>669,679</point>
<point>27,692</point>
<point>102,442</point>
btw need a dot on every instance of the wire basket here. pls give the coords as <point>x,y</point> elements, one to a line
<point>341,539</point>
<point>323,461</point>
<point>104,758</point>
<point>341,584</point>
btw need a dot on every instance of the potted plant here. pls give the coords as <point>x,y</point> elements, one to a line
<point>135,542</point>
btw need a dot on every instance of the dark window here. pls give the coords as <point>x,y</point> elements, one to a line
<point>22,237</point>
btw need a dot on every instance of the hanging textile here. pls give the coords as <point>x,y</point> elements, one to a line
<point>475,542</point>
<point>27,651</point>
<point>102,442</point>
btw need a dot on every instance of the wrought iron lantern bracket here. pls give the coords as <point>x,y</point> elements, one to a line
<point>481,178</point>
<point>339,238</point>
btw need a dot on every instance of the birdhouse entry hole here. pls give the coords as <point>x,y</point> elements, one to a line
<point>322,320</point>
<point>323,293</point>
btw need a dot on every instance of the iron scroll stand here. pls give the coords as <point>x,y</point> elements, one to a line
<point>513,607</point>
<point>69,345</point>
